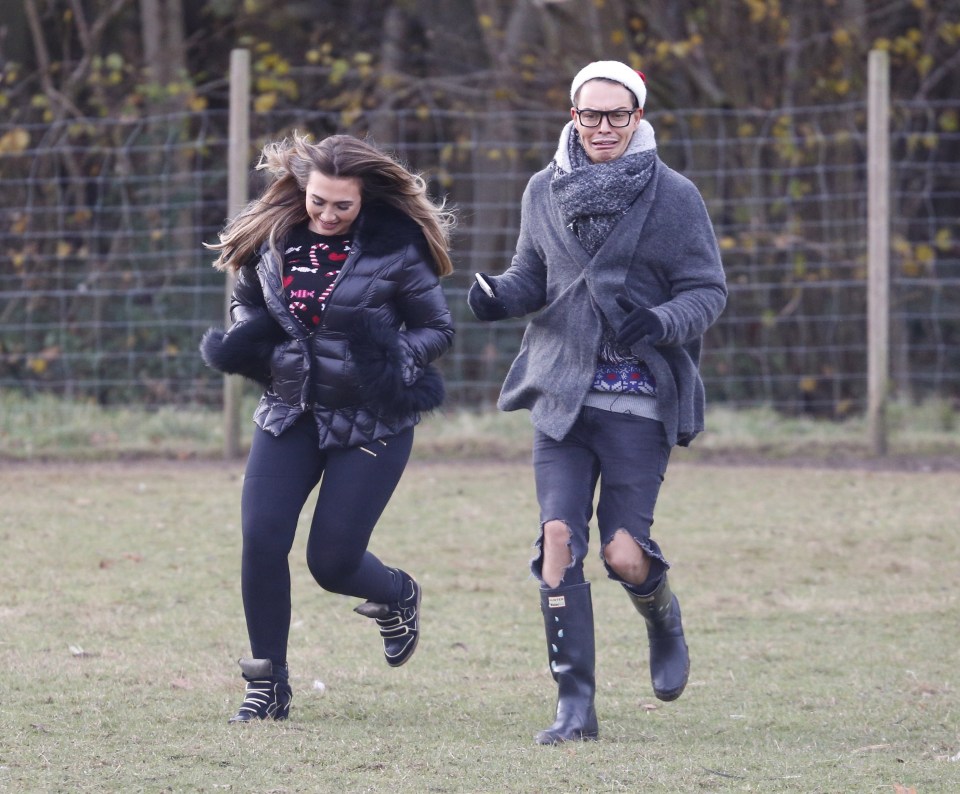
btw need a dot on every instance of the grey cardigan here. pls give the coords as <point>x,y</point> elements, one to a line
<point>662,254</point>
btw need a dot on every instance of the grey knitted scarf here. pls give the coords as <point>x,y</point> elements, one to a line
<point>594,196</point>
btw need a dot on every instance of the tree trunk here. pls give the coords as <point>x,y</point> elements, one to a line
<point>162,34</point>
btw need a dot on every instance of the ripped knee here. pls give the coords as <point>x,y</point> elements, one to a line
<point>556,535</point>
<point>555,559</point>
<point>632,560</point>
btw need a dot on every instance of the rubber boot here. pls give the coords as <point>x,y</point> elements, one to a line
<point>669,658</point>
<point>568,624</point>
<point>268,693</point>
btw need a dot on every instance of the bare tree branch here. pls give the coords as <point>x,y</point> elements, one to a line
<point>62,102</point>
<point>90,37</point>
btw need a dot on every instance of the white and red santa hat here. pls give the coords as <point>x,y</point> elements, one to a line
<point>619,72</point>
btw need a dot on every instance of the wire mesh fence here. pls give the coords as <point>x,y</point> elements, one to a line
<point>105,288</point>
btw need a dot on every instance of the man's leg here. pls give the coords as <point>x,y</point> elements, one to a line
<point>634,455</point>
<point>566,476</point>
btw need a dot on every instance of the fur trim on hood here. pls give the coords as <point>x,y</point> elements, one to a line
<point>383,229</point>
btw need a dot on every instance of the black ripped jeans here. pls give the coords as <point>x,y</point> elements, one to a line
<point>355,485</point>
<point>628,455</point>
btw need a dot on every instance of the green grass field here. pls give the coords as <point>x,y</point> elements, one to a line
<point>821,608</point>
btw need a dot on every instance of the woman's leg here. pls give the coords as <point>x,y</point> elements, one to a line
<point>281,472</point>
<point>357,485</point>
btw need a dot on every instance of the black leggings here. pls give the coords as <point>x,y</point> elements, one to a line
<point>355,487</point>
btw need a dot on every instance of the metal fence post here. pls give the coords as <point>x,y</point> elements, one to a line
<point>878,247</point>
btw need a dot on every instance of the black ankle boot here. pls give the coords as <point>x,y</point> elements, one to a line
<point>399,622</point>
<point>268,691</point>
<point>669,658</point>
<point>568,624</point>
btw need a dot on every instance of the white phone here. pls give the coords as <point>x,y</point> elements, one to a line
<point>484,285</point>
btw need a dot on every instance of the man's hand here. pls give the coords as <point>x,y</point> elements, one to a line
<point>484,307</point>
<point>640,324</point>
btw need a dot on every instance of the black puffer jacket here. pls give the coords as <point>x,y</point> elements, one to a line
<point>365,371</point>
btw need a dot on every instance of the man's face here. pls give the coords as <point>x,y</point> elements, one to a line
<point>605,142</point>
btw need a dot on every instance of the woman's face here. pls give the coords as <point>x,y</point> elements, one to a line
<point>333,203</point>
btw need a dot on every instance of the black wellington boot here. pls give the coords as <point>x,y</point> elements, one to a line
<point>268,693</point>
<point>669,658</point>
<point>568,624</point>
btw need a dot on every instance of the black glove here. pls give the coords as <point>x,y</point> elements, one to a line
<point>484,307</point>
<point>640,324</point>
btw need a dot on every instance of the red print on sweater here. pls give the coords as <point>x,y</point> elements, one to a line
<point>310,272</point>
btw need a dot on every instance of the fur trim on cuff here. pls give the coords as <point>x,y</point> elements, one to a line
<point>381,359</point>
<point>243,350</point>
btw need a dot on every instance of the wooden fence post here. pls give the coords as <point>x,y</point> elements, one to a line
<point>238,154</point>
<point>878,247</point>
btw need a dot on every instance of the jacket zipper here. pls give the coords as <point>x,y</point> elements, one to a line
<point>351,258</point>
<point>277,289</point>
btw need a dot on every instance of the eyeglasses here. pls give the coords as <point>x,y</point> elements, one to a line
<point>592,118</point>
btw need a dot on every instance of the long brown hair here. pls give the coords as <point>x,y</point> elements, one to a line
<point>282,204</point>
